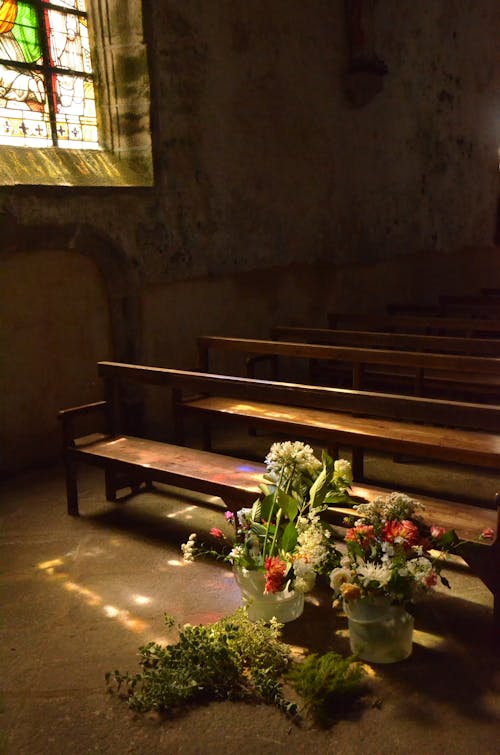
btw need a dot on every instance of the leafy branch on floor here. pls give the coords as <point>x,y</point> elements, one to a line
<point>235,659</point>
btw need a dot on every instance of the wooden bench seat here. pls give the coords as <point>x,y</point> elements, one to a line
<point>430,324</point>
<point>448,444</point>
<point>422,373</point>
<point>131,462</point>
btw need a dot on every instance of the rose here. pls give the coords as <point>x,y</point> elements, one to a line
<point>488,533</point>
<point>437,531</point>
<point>405,531</point>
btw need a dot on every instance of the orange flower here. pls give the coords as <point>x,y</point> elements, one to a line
<point>362,534</point>
<point>406,530</point>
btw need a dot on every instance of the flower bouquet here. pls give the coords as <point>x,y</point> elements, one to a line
<point>281,542</point>
<point>387,564</point>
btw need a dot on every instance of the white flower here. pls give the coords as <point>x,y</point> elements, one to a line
<point>338,577</point>
<point>291,457</point>
<point>342,473</point>
<point>369,572</point>
<point>311,542</point>
<point>419,567</point>
<point>244,518</point>
<point>396,506</point>
<point>188,548</point>
<point>305,576</point>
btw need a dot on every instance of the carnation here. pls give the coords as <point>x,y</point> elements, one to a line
<point>370,572</point>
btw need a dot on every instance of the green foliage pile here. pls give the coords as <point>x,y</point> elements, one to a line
<point>235,659</point>
<point>328,685</point>
<point>232,659</point>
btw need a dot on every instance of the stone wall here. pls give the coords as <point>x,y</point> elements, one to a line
<point>289,178</point>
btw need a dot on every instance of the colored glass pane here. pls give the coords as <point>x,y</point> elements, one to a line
<point>46,99</point>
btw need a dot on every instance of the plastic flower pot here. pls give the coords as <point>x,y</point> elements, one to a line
<point>379,632</point>
<point>286,605</point>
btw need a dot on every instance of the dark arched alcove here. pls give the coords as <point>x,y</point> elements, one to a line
<point>69,299</point>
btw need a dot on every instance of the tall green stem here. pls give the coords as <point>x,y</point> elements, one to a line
<point>278,516</point>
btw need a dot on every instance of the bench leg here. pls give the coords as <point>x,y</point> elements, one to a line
<point>358,457</point>
<point>110,485</point>
<point>71,486</point>
<point>206,435</point>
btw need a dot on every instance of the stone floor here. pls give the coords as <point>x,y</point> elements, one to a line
<point>82,594</point>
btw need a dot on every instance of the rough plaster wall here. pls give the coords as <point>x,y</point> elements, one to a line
<point>261,163</point>
<point>54,326</point>
<point>425,174</point>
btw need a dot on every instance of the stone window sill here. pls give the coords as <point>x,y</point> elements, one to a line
<point>62,167</point>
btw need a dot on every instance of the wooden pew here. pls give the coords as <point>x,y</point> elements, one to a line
<point>447,431</point>
<point>382,340</point>
<point>428,373</point>
<point>133,461</point>
<point>430,324</point>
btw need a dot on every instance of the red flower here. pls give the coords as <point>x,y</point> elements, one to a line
<point>406,530</point>
<point>362,534</point>
<point>216,532</point>
<point>275,574</point>
<point>488,533</point>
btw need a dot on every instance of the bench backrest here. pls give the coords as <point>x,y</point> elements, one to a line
<point>384,340</point>
<point>405,408</point>
<point>476,365</point>
<point>468,326</point>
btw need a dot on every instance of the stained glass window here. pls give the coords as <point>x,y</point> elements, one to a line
<point>46,83</point>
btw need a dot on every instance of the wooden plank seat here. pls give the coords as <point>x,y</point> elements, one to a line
<point>132,461</point>
<point>417,323</point>
<point>422,373</point>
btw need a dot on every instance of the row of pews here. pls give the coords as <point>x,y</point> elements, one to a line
<point>429,394</point>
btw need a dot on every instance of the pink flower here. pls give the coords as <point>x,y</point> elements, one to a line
<point>488,533</point>
<point>275,574</point>
<point>437,531</point>
<point>430,579</point>
<point>229,516</point>
<point>216,532</point>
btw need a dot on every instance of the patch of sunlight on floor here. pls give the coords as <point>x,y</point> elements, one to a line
<point>141,600</point>
<point>184,512</point>
<point>427,639</point>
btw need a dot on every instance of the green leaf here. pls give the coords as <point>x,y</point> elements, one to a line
<point>287,504</point>
<point>267,505</point>
<point>289,538</point>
